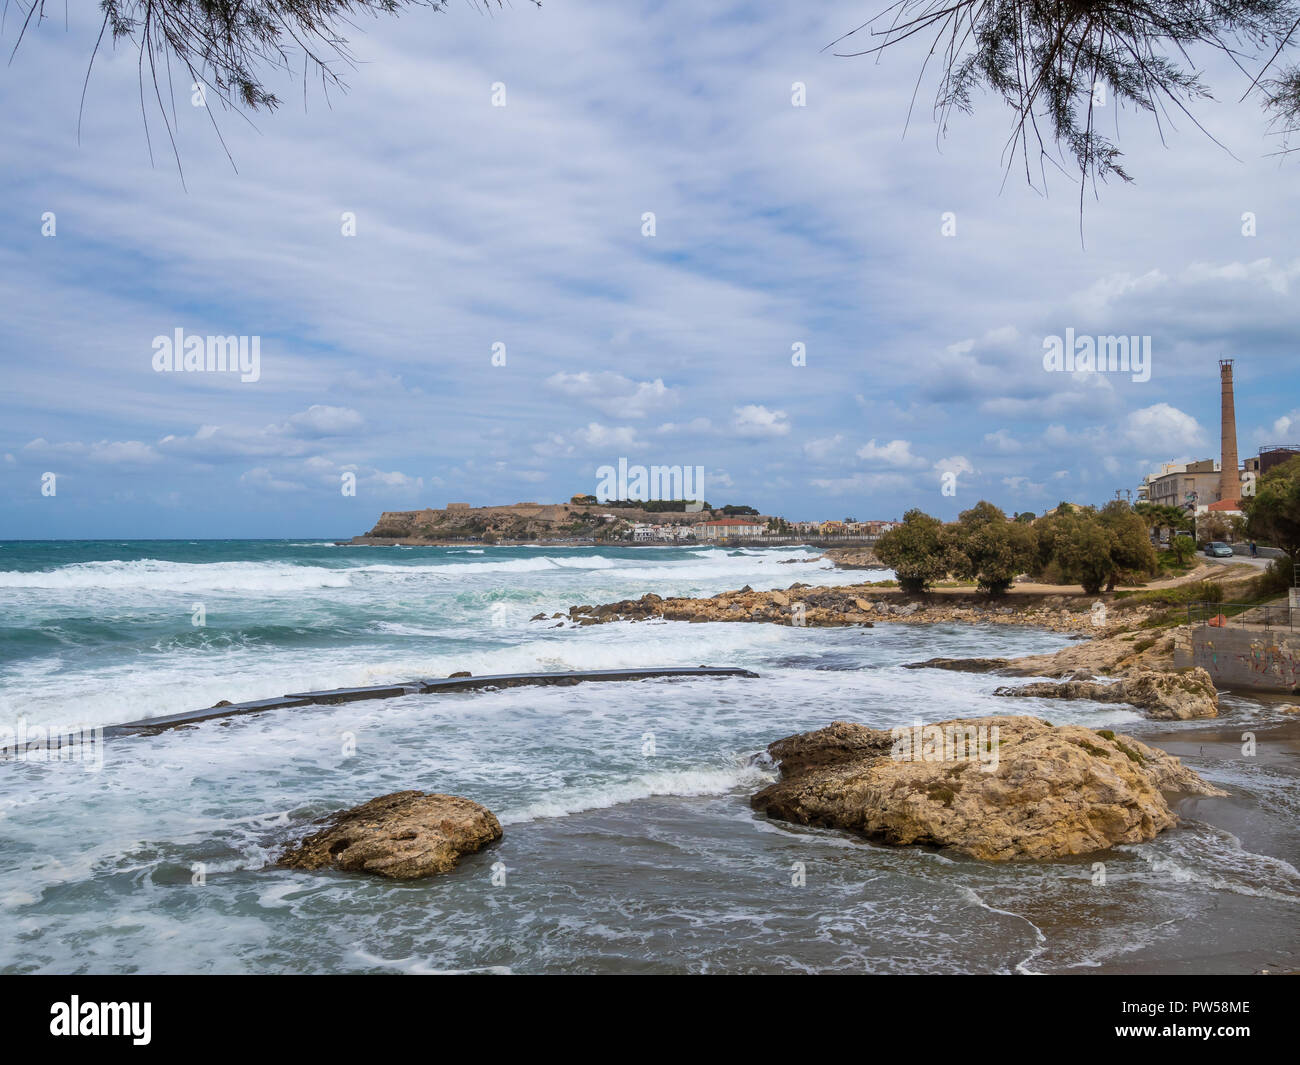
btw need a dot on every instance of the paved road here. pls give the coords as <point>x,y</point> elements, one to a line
<point>1258,563</point>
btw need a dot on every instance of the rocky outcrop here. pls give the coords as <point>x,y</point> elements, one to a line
<point>853,558</point>
<point>1159,695</point>
<point>1110,654</point>
<point>854,604</point>
<point>797,605</point>
<point>405,835</point>
<point>994,788</point>
<point>962,665</point>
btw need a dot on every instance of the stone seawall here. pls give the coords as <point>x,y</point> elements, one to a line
<point>1247,658</point>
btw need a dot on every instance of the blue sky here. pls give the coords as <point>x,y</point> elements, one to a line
<point>775,225</point>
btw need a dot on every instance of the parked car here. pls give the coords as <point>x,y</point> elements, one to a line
<point>1218,549</point>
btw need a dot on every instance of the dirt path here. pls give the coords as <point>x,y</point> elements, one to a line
<point>1206,571</point>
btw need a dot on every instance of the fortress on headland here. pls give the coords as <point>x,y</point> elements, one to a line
<point>520,521</point>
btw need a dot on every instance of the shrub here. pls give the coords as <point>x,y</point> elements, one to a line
<point>1273,514</point>
<point>915,552</point>
<point>987,548</point>
<point>1273,581</point>
<point>1209,591</point>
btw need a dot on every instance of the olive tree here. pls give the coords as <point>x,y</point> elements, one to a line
<point>987,548</point>
<point>915,551</point>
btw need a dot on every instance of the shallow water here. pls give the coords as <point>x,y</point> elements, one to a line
<point>629,842</point>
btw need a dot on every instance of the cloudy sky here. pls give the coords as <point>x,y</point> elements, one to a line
<point>519,229</point>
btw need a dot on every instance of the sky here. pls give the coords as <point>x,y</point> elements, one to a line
<point>835,307</point>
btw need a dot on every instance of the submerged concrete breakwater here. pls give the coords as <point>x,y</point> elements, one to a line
<point>457,682</point>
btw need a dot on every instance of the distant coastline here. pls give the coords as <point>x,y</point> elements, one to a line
<point>585,521</point>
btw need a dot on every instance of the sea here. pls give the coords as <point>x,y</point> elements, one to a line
<point>629,844</point>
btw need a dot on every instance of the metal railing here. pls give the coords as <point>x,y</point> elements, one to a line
<point>1243,615</point>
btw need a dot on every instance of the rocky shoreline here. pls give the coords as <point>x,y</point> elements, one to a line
<point>855,604</point>
<point>994,788</point>
<point>1130,644</point>
<point>1160,696</point>
<point>991,788</point>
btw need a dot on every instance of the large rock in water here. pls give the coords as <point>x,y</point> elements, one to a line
<point>1160,695</point>
<point>961,665</point>
<point>1028,790</point>
<point>405,835</point>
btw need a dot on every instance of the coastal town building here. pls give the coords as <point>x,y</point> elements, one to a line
<point>1225,507</point>
<point>646,532</point>
<point>723,528</point>
<point>1273,455</point>
<point>1183,484</point>
<point>841,528</point>
<point>1209,485</point>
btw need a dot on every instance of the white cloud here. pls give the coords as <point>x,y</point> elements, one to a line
<point>123,452</point>
<point>319,420</point>
<point>554,446</point>
<point>263,479</point>
<point>954,464</point>
<point>397,323</point>
<point>695,426</point>
<point>390,479</point>
<point>621,436</point>
<point>1002,442</point>
<point>105,452</point>
<point>614,394</point>
<point>1102,293</point>
<point>1260,272</point>
<point>820,450</point>
<point>757,420</point>
<point>1022,486</point>
<point>1285,429</point>
<point>864,482</point>
<point>896,453</point>
<point>1164,425</point>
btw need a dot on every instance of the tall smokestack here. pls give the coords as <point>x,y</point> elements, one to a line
<point>1229,478</point>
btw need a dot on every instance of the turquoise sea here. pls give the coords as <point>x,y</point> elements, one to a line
<point>629,843</point>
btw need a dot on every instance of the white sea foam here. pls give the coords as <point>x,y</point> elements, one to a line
<point>230,796</point>
<point>1211,857</point>
<point>684,783</point>
<point>191,679</point>
<point>154,575</point>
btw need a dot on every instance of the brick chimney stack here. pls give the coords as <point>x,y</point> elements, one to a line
<point>1229,478</point>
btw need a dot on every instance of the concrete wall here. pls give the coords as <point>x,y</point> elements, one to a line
<point>1264,552</point>
<point>1259,659</point>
